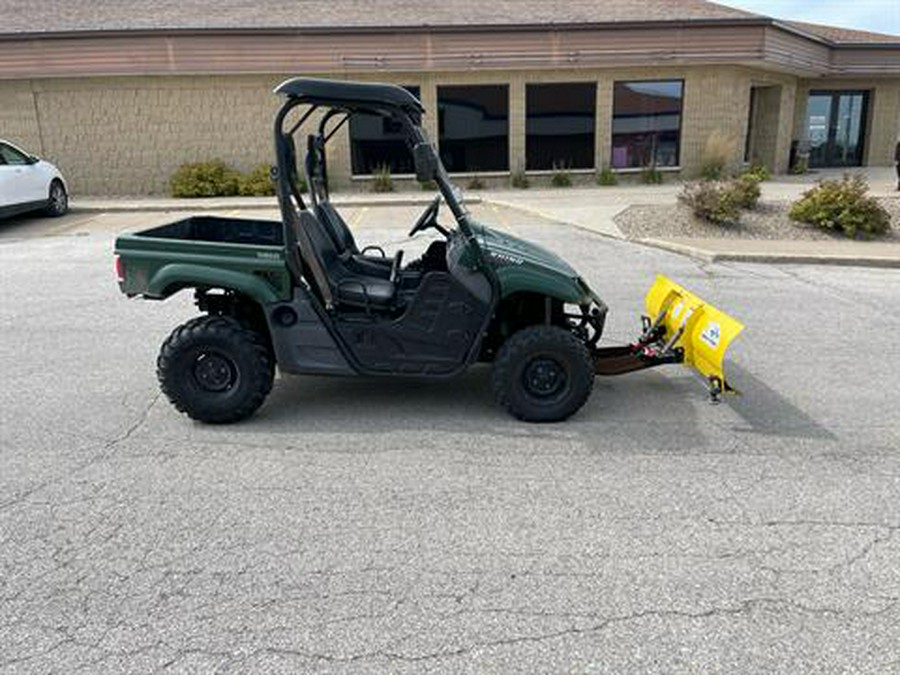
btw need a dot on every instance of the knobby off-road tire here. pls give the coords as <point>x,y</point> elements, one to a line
<point>543,374</point>
<point>215,369</point>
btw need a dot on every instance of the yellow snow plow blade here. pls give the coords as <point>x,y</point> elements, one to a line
<point>701,330</point>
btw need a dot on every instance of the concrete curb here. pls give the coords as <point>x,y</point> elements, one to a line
<point>204,205</point>
<point>847,260</point>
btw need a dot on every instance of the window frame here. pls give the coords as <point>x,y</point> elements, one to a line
<point>678,146</point>
<point>415,90</point>
<point>595,86</point>
<point>507,88</point>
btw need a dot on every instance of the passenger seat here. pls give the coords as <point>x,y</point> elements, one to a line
<point>347,285</point>
<point>345,244</point>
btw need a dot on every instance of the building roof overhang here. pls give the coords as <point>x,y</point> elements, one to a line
<point>757,41</point>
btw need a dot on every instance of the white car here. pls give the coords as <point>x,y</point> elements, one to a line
<point>28,183</point>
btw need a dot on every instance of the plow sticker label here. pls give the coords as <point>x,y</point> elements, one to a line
<point>711,334</point>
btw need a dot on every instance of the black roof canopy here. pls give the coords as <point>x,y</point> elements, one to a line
<point>350,95</point>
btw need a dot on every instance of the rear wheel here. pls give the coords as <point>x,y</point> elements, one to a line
<point>543,374</point>
<point>215,369</point>
<point>57,200</point>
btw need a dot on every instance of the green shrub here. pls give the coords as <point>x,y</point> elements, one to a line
<point>428,185</point>
<point>213,178</point>
<point>561,177</point>
<point>712,201</point>
<point>382,179</point>
<point>650,175</point>
<point>518,179</point>
<point>746,191</point>
<point>712,171</point>
<point>801,166</point>
<point>257,183</point>
<point>759,172</point>
<point>607,177</point>
<point>475,183</point>
<point>718,153</point>
<point>842,205</point>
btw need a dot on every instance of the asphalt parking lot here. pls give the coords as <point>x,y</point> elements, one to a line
<point>404,527</point>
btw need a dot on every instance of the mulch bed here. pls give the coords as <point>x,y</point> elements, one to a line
<point>769,221</point>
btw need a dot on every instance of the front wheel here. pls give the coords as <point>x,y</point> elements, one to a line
<point>57,200</point>
<point>215,370</point>
<point>543,374</point>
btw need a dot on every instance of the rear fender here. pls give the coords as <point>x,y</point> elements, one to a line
<point>171,278</point>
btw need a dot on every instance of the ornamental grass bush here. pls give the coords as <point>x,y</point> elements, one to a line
<point>718,154</point>
<point>607,177</point>
<point>213,178</point>
<point>561,177</point>
<point>650,175</point>
<point>844,206</point>
<point>475,183</point>
<point>381,179</point>
<point>518,179</point>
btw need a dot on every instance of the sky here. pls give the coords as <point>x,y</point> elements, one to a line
<point>880,16</point>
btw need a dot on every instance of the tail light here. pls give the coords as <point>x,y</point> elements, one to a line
<point>120,269</point>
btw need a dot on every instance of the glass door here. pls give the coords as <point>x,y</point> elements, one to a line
<point>836,127</point>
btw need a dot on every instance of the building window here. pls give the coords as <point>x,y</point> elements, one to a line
<point>559,125</point>
<point>377,141</point>
<point>646,124</point>
<point>836,127</point>
<point>473,127</point>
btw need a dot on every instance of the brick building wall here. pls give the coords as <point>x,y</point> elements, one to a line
<point>127,135</point>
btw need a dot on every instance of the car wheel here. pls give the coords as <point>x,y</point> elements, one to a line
<point>58,200</point>
<point>543,374</point>
<point>215,370</point>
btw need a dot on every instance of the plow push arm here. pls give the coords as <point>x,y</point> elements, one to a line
<point>679,327</point>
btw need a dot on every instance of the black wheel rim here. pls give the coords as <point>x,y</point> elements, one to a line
<point>58,198</point>
<point>214,372</point>
<point>545,379</point>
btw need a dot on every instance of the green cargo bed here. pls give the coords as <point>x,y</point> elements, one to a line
<point>241,254</point>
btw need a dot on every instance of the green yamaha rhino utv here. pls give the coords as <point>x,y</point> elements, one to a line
<point>301,294</point>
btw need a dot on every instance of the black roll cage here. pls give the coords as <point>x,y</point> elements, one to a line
<point>298,246</point>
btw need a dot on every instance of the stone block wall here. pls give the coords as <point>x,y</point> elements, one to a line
<point>127,135</point>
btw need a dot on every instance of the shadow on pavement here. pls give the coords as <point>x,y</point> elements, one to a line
<point>769,413</point>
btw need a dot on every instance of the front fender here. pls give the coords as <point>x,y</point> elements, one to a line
<point>534,279</point>
<point>172,278</point>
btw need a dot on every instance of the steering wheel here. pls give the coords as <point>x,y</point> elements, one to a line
<point>395,267</point>
<point>429,219</point>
